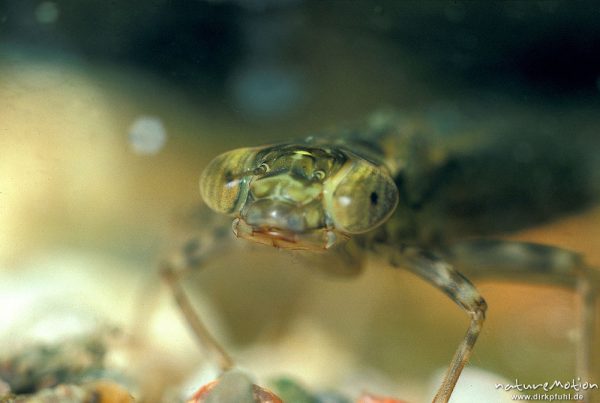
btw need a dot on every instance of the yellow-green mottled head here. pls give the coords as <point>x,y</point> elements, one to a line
<point>299,196</point>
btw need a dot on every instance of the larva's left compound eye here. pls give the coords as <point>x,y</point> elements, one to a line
<point>223,184</point>
<point>360,196</point>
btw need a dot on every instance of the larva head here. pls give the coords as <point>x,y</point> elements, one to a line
<point>298,196</point>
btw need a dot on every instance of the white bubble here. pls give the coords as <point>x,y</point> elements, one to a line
<point>147,135</point>
<point>46,12</point>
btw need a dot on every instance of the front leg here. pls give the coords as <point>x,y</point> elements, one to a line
<point>212,241</point>
<point>538,264</point>
<point>441,274</point>
<point>173,279</point>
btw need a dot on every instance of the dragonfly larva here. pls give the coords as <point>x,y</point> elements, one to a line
<point>427,197</point>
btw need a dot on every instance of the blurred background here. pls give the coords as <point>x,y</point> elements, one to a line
<point>110,110</point>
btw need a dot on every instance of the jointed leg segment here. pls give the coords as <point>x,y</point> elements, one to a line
<point>194,255</point>
<point>461,291</point>
<point>198,327</point>
<point>509,260</point>
<point>539,264</point>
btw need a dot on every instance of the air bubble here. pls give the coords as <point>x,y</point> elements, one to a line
<point>147,135</point>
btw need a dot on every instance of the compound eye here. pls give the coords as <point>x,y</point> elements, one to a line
<point>363,198</point>
<point>223,183</point>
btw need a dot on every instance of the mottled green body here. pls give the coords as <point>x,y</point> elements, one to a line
<point>476,179</point>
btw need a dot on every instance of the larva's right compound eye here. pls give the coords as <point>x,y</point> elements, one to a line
<point>224,182</point>
<point>360,196</point>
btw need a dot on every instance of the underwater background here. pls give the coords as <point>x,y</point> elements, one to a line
<point>110,110</point>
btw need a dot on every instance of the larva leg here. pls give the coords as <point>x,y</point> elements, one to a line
<point>172,278</point>
<point>461,291</point>
<point>197,254</point>
<point>538,264</point>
